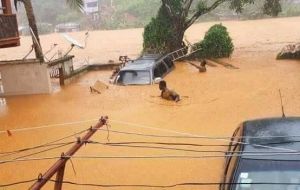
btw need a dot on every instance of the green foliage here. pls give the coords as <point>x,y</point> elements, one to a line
<point>272,7</point>
<point>201,6</point>
<point>176,6</point>
<point>157,33</point>
<point>216,44</point>
<point>130,13</point>
<point>238,5</point>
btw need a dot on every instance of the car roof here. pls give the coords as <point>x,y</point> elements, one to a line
<point>280,134</point>
<point>145,62</point>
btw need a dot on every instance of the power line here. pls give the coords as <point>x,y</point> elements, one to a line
<point>47,126</point>
<point>204,137</point>
<point>201,136</point>
<point>181,149</point>
<point>192,137</point>
<point>170,144</point>
<point>195,137</point>
<point>170,186</point>
<point>5,154</point>
<point>154,157</point>
<point>42,151</point>
<point>18,183</point>
<point>51,143</point>
<point>188,135</point>
<point>148,186</point>
<point>147,127</point>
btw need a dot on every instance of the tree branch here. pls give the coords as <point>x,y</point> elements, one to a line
<point>186,7</point>
<point>168,8</point>
<point>199,13</point>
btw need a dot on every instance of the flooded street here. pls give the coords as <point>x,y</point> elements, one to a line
<point>213,105</point>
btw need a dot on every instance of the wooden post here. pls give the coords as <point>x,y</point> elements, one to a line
<point>7,7</point>
<point>61,76</point>
<point>58,167</point>
<point>59,178</point>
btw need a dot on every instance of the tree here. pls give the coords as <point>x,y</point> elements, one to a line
<point>181,16</point>
<point>76,4</point>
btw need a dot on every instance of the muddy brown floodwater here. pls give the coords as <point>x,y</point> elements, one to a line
<point>218,101</point>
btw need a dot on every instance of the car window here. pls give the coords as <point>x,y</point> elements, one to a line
<point>160,70</point>
<point>134,77</point>
<point>285,173</point>
<point>157,72</point>
<point>169,62</point>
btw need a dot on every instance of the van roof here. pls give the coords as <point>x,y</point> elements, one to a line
<point>280,134</point>
<point>145,62</point>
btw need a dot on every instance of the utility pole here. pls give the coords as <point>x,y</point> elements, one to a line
<point>59,167</point>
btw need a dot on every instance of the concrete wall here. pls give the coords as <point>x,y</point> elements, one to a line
<point>25,78</point>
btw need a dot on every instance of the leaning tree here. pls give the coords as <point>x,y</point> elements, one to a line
<point>166,31</point>
<point>76,4</point>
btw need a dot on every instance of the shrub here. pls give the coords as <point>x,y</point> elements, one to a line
<point>216,44</point>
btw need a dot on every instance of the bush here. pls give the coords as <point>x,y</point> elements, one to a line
<point>216,44</point>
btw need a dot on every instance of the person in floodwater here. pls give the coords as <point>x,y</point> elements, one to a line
<point>202,67</point>
<point>166,93</point>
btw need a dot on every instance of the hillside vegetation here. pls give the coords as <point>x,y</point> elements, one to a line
<point>136,13</point>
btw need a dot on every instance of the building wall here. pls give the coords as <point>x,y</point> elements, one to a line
<point>23,79</point>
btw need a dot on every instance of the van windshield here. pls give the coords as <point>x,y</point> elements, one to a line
<point>134,77</point>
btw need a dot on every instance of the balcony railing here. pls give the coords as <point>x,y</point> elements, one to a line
<point>9,35</point>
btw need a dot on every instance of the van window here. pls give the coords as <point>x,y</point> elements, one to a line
<point>156,72</point>
<point>160,70</point>
<point>133,77</point>
<point>169,62</point>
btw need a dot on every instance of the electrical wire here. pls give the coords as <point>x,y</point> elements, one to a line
<point>147,186</point>
<point>201,136</point>
<point>205,137</point>
<point>187,135</point>
<point>47,150</point>
<point>169,186</point>
<point>5,154</point>
<point>154,157</point>
<point>182,149</point>
<point>170,144</point>
<point>51,143</point>
<point>48,126</point>
<point>17,183</point>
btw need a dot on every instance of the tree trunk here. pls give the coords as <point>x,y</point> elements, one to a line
<point>33,26</point>
<point>176,39</point>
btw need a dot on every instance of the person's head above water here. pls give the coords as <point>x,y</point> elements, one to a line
<point>162,85</point>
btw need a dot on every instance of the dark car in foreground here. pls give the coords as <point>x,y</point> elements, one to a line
<point>147,69</point>
<point>264,155</point>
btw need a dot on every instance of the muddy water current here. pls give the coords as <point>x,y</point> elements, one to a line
<point>213,105</point>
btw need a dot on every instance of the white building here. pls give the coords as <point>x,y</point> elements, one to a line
<point>91,6</point>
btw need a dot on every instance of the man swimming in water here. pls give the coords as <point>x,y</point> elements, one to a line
<point>166,93</point>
